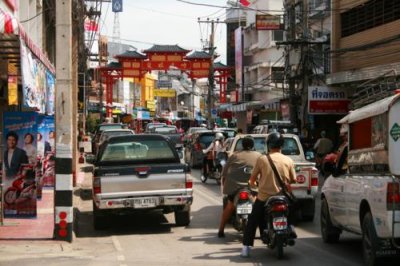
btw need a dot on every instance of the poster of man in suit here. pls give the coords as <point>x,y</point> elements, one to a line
<point>19,180</point>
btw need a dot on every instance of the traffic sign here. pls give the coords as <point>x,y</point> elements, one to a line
<point>214,113</point>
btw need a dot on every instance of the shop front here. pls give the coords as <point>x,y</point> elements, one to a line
<point>27,107</point>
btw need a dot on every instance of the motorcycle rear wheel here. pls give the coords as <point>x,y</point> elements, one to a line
<point>279,248</point>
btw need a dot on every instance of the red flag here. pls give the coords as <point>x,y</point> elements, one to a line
<point>244,2</point>
<point>91,25</point>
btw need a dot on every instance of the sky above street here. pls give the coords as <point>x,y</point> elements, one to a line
<point>147,22</point>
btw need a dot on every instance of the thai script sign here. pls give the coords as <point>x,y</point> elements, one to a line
<point>268,22</point>
<point>327,100</point>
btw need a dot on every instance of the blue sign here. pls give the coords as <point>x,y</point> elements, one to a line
<point>116,5</point>
<point>214,113</point>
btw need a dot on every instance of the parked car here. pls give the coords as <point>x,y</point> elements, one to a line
<point>99,129</point>
<point>306,187</point>
<point>194,148</point>
<point>365,199</point>
<point>106,134</point>
<point>139,173</point>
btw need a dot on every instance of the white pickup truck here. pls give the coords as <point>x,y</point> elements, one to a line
<point>366,199</point>
<point>306,187</point>
<point>140,172</point>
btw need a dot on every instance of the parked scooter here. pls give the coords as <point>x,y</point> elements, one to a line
<point>278,233</point>
<point>23,187</point>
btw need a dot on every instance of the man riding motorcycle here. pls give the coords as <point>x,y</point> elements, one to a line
<point>267,186</point>
<point>211,153</point>
<point>233,174</point>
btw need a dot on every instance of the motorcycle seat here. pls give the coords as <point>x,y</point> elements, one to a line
<point>275,199</point>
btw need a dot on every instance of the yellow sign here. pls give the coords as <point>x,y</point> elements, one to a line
<point>12,90</point>
<point>151,105</point>
<point>164,93</point>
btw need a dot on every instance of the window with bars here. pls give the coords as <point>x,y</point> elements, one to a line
<point>277,74</point>
<point>369,15</point>
<point>277,35</point>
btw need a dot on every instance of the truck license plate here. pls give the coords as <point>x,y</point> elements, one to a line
<point>244,209</point>
<point>144,203</point>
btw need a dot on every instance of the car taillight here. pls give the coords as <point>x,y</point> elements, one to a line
<point>393,196</point>
<point>314,177</point>
<point>279,207</point>
<point>243,195</point>
<point>96,186</point>
<point>189,183</point>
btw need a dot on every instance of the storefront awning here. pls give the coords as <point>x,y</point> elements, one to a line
<point>11,34</point>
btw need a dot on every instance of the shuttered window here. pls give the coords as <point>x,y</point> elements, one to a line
<point>369,15</point>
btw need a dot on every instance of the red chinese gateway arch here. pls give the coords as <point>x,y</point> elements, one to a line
<point>133,64</point>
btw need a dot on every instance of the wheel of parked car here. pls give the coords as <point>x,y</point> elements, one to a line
<point>330,233</point>
<point>100,221</point>
<point>182,218</point>
<point>369,240</point>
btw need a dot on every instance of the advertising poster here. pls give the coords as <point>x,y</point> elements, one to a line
<point>19,158</point>
<point>46,149</point>
<point>33,81</point>
<point>50,83</point>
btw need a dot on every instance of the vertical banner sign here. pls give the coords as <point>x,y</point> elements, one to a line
<point>50,93</point>
<point>12,90</point>
<point>19,162</point>
<point>34,85</point>
<point>47,149</point>
<point>238,61</point>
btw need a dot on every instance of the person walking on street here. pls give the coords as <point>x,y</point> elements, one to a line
<point>322,147</point>
<point>268,186</point>
<point>233,174</point>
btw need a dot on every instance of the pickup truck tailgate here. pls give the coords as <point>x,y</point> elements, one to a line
<point>141,180</point>
<point>307,179</point>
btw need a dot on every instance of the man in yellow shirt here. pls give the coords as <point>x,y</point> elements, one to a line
<point>267,186</point>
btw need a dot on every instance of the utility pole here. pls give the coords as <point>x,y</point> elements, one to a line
<point>63,211</point>
<point>306,63</point>
<point>211,48</point>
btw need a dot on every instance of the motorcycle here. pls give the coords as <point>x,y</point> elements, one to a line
<point>243,203</point>
<point>216,170</point>
<point>48,171</point>
<point>23,187</point>
<point>328,164</point>
<point>279,233</point>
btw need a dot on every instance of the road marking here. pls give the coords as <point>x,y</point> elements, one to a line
<point>116,243</point>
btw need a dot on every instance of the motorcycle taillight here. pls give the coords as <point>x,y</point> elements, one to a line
<point>197,146</point>
<point>244,195</point>
<point>279,207</point>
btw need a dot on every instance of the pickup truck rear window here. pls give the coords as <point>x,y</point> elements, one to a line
<point>290,147</point>
<point>260,145</point>
<point>138,151</point>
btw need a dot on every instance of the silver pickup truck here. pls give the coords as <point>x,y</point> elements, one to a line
<point>140,172</point>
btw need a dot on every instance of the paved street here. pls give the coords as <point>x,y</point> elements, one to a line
<point>153,239</point>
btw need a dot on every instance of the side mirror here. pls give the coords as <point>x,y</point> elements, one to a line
<point>90,158</point>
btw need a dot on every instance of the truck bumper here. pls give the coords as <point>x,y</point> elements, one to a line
<point>148,202</point>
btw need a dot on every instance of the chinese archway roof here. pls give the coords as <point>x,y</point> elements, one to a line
<point>131,54</point>
<point>199,55</point>
<point>157,48</point>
